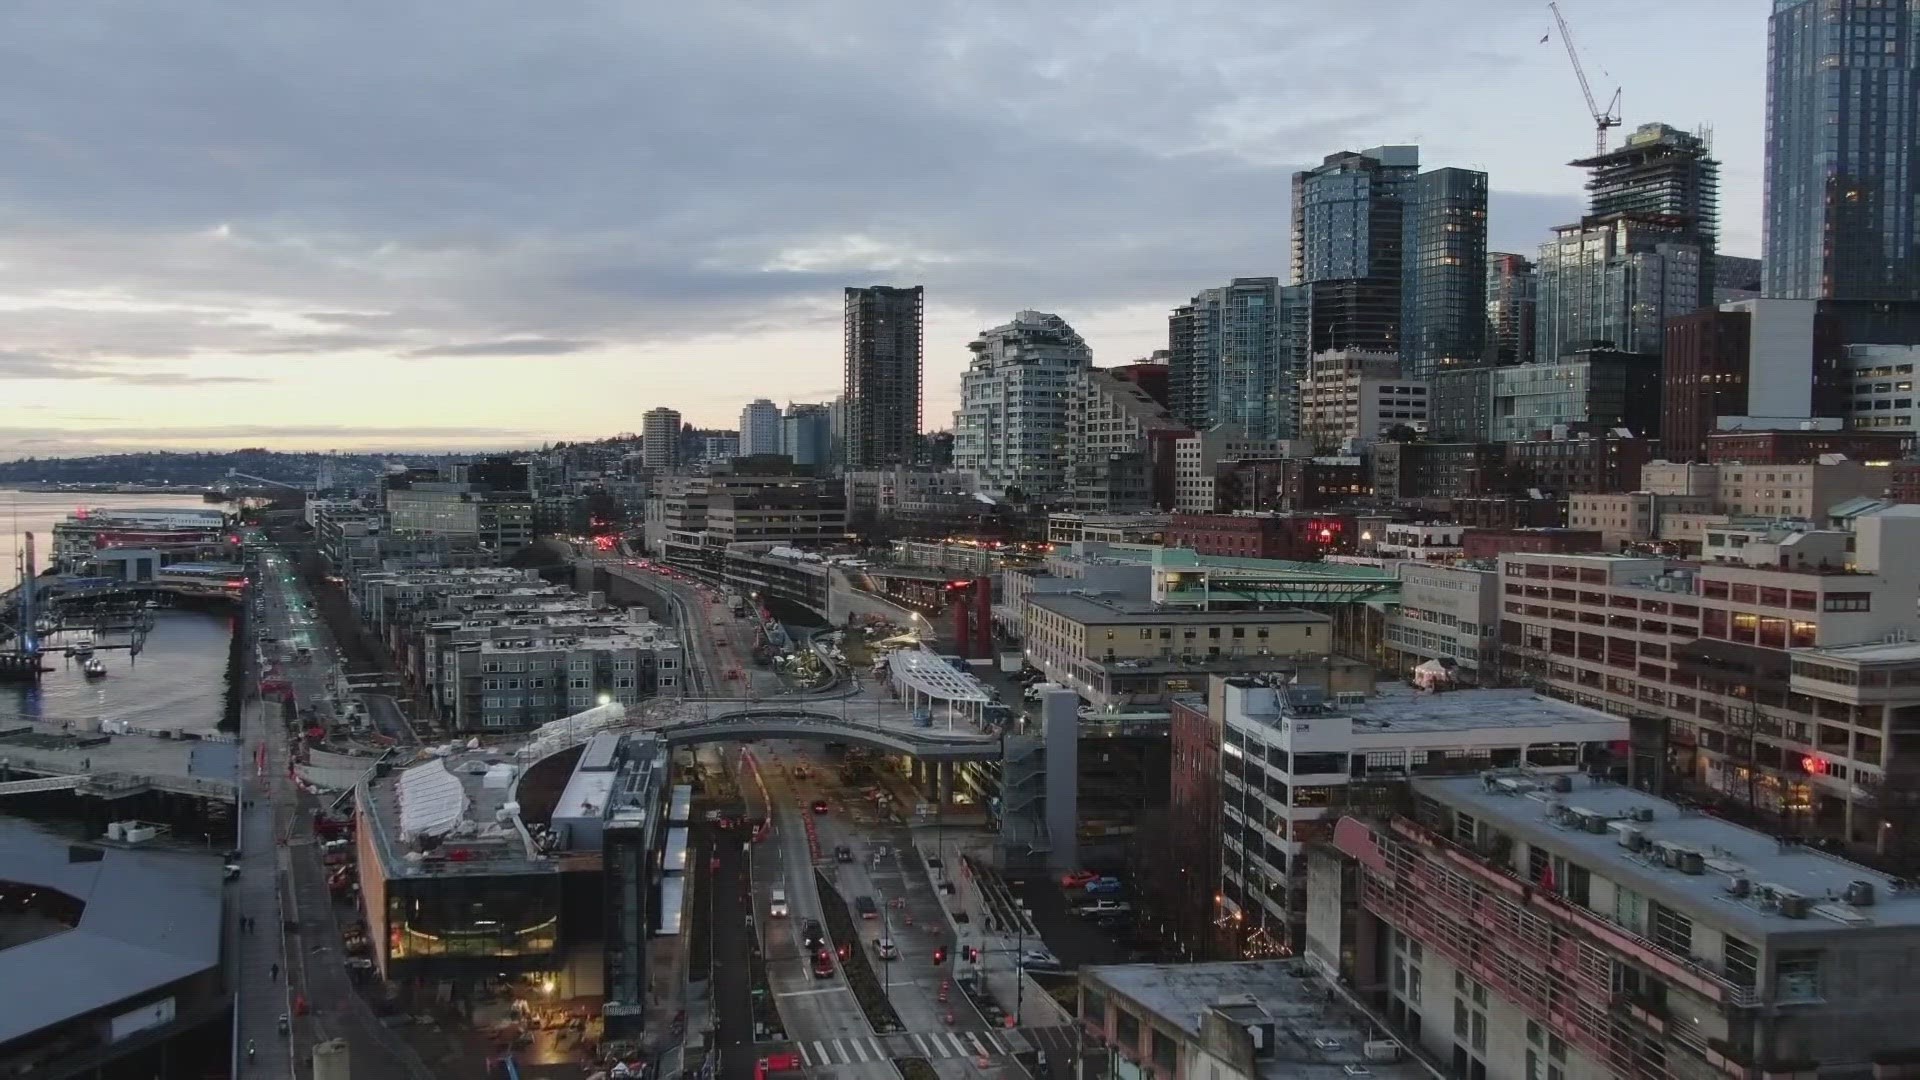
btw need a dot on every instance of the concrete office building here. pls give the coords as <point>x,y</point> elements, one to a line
<point>1112,465</point>
<point>1290,752</point>
<point>1011,429</point>
<point>884,357</point>
<point>1766,358</point>
<point>1352,399</point>
<point>1843,151</point>
<point>1700,656</point>
<point>1881,384</point>
<point>1451,614</point>
<point>660,438</point>
<point>1630,517</point>
<point>1512,292</point>
<point>1199,457</point>
<point>1443,302</point>
<point>760,428</point>
<point>1230,357</point>
<point>501,521</point>
<point>1118,652</point>
<point>1522,926</point>
<point>1616,281</point>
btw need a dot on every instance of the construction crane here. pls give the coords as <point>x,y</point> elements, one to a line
<point>1603,119</point>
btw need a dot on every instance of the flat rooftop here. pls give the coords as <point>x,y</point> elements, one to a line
<point>1397,711</point>
<point>488,847</point>
<point>1729,851</point>
<point>1105,609</point>
<point>1312,1038</point>
<point>1873,652</point>
<point>151,916</point>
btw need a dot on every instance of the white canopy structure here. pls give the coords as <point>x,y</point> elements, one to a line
<point>432,800</point>
<point>557,735</point>
<point>926,680</point>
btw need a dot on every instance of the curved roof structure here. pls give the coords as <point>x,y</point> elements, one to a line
<point>926,672</point>
<point>432,800</point>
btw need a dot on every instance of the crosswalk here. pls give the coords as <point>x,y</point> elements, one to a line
<point>849,1050</point>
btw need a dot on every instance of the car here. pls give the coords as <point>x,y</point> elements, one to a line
<point>803,771</point>
<point>777,907</point>
<point>819,806</point>
<point>1103,886</point>
<point>885,949</point>
<point>813,937</point>
<point>1075,879</point>
<point>866,907</point>
<point>842,853</point>
<point>1104,908</point>
<point>823,964</point>
<point>1038,960</point>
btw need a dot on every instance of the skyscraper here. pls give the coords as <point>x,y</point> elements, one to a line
<point>1349,228</point>
<point>1011,429</point>
<point>1512,288</point>
<point>1662,172</point>
<point>760,428</point>
<point>1443,303</point>
<point>884,358</point>
<point>806,435</point>
<point>660,438</point>
<point>1843,150</point>
<point>1229,361</point>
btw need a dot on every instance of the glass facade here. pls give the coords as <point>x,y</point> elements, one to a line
<point>1231,358</point>
<point>1512,290</point>
<point>1614,282</point>
<point>1443,321</point>
<point>1608,389</point>
<point>1843,147</point>
<point>479,916</point>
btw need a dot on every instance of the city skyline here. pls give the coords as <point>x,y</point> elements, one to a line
<point>257,252</point>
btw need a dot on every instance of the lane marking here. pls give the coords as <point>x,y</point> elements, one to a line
<point>858,1050</point>
<point>806,993</point>
<point>825,1057</point>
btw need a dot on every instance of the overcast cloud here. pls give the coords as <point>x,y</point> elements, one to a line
<point>329,223</point>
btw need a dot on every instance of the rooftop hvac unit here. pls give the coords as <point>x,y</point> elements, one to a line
<point>1795,906</point>
<point>1593,822</point>
<point>1859,893</point>
<point>1692,862</point>
<point>1739,886</point>
<point>1515,785</point>
<point>116,830</point>
<point>1562,783</point>
<point>1381,1050</point>
<point>1356,1070</point>
<point>1643,813</point>
<point>1630,836</point>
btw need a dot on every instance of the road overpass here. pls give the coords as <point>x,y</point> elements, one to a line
<point>822,724</point>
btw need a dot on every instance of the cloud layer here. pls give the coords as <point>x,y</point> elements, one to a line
<point>271,208</point>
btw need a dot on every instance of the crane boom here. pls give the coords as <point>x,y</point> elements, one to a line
<point>1603,119</point>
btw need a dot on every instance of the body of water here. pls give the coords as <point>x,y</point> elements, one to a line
<point>177,680</point>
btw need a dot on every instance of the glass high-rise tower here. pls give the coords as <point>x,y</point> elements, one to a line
<point>1843,150</point>
<point>1443,300</point>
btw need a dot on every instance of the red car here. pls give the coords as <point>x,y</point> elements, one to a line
<point>1076,879</point>
<point>819,806</point>
<point>823,964</point>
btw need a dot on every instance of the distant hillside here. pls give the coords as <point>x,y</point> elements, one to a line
<point>190,470</point>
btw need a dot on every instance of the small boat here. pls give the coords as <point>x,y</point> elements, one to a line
<point>82,645</point>
<point>94,668</point>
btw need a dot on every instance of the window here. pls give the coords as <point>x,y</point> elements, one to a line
<point>1796,975</point>
<point>1742,966</point>
<point>1849,601</point>
<point>1672,931</point>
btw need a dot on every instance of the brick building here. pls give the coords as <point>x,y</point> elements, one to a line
<point>1803,447</point>
<point>1263,536</point>
<point>1582,463</point>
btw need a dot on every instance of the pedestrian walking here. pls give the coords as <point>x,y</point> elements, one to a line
<point>273,971</point>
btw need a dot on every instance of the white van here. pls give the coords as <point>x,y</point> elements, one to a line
<point>777,908</point>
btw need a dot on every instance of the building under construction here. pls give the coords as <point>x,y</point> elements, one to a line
<point>1662,172</point>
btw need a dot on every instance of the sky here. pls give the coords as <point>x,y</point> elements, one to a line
<point>410,224</point>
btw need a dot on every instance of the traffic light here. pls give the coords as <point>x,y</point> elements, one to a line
<point>939,955</point>
<point>970,954</point>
